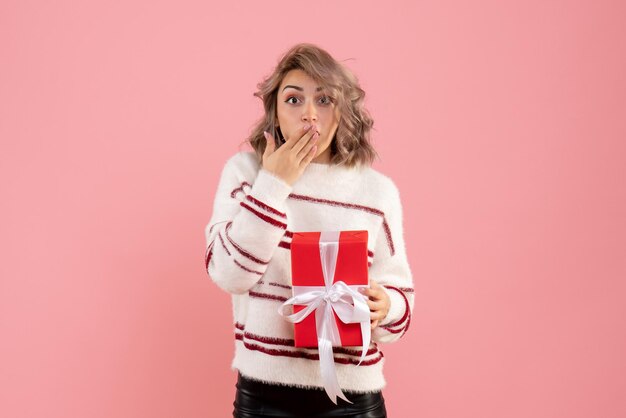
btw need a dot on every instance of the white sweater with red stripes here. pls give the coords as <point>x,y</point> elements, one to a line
<point>248,255</point>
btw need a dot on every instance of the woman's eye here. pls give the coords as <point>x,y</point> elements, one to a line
<point>328,99</point>
<point>325,99</point>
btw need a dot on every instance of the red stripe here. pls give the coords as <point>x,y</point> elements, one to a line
<point>241,250</point>
<point>235,260</point>
<point>207,253</point>
<point>407,314</point>
<point>208,257</point>
<point>392,250</point>
<point>264,217</point>
<point>219,234</point>
<point>214,225</point>
<point>260,273</point>
<point>266,296</point>
<point>337,203</point>
<point>284,286</point>
<point>265,206</point>
<point>357,353</point>
<point>300,354</point>
<point>270,340</point>
<point>393,331</point>
<point>233,193</point>
<point>291,343</point>
<point>406,311</point>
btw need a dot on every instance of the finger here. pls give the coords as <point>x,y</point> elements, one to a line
<point>293,139</point>
<point>297,147</point>
<point>375,305</point>
<point>374,324</point>
<point>378,315</point>
<point>270,144</point>
<point>308,152</point>
<point>373,293</point>
<point>309,157</point>
<point>308,138</point>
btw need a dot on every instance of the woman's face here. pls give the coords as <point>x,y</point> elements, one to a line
<point>301,102</point>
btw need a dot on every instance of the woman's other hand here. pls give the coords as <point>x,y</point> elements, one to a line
<point>290,159</point>
<point>378,302</point>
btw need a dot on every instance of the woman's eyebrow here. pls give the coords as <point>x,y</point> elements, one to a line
<point>300,88</point>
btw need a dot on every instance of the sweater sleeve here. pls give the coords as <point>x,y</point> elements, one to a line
<point>244,229</point>
<point>390,268</point>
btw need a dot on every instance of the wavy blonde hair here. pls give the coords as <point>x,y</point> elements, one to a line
<point>351,146</point>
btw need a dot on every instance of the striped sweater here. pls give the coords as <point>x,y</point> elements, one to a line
<point>255,214</point>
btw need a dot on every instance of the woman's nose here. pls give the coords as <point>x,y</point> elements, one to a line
<point>310,114</point>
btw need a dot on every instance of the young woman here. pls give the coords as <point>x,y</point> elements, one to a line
<point>310,171</point>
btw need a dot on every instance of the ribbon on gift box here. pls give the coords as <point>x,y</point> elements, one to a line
<point>350,306</point>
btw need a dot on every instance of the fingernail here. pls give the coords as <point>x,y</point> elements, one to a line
<point>266,134</point>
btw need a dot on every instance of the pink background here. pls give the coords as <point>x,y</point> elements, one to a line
<point>502,123</point>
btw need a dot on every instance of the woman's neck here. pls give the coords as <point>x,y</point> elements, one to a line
<point>323,158</point>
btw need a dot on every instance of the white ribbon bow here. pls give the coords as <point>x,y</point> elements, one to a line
<point>350,306</point>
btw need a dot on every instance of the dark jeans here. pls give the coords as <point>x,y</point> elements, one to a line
<point>255,399</point>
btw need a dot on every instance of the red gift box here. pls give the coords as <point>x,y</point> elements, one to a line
<point>306,270</point>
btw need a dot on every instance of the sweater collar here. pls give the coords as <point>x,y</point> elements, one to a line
<point>330,169</point>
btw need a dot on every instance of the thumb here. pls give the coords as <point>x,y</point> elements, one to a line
<point>270,144</point>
